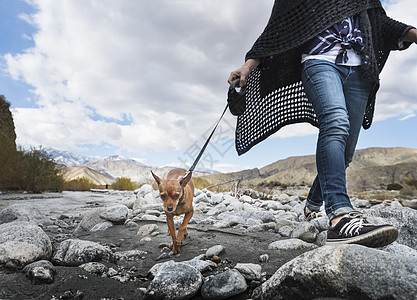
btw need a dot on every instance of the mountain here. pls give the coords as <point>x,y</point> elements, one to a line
<point>111,167</point>
<point>67,158</point>
<point>371,168</point>
<point>71,173</point>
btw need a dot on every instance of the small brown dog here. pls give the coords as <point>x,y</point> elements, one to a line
<point>176,193</point>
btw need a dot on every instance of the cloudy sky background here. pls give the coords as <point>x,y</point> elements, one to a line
<point>147,79</point>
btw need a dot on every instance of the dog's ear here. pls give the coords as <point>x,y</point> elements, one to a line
<point>157,179</point>
<point>186,179</point>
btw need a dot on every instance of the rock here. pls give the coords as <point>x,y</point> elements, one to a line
<point>22,243</point>
<point>41,271</point>
<point>201,198</point>
<point>224,285</point>
<point>249,271</point>
<point>157,268</point>
<point>153,212</point>
<point>409,203</point>
<point>343,271</point>
<point>404,219</point>
<point>219,208</point>
<point>130,255</point>
<point>22,212</point>
<point>151,198</point>
<point>235,206</point>
<point>359,203</point>
<point>216,198</point>
<point>264,216</point>
<point>148,218</point>
<point>128,203</point>
<point>290,244</point>
<point>264,258</point>
<point>74,252</point>
<point>200,265</point>
<point>116,213</point>
<point>401,250</point>
<point>214,251</point>
<point>101,226</point>
<point>147,229</point>
<point>321,223</point>
<point>249,208</point>
<point>94,268</point>
<point>179,281</point>
<point>246,199</point>
<point>89,219</point>
<point>285,231</point>
<point>305,231</point>
<point>283,222</point>
<point>143,190</point>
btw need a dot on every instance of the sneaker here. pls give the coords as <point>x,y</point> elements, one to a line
<point>355,229</point>
<point>308,216</point>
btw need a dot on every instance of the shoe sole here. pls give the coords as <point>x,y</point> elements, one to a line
<point>375,239</point>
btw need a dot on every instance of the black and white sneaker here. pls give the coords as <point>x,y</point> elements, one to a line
<point>355,229</point>
<point>309,214</point>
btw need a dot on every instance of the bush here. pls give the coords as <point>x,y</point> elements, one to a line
<point>411,181</point>
<point>32,171</point>
<point>124,184</point>
<point>200,183</point>
<point>80,184</point>
<point>408,190</point>
<point>394,187</point>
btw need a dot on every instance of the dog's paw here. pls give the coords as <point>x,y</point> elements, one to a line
<point>175,249</point>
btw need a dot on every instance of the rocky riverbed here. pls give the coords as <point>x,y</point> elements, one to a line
<point>114,245</point>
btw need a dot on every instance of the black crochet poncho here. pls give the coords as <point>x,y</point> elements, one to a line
<point>275,96</point>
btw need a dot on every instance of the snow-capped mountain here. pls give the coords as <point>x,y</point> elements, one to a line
<point>113,166</point>
<point>67,158</point>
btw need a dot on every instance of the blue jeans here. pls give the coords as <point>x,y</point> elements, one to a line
<point>339,95</point>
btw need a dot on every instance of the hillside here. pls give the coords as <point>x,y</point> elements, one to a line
<point>371,168</point>
<point>71,173</point>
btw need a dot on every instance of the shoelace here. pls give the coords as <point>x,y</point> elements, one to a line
<point>352,227</point>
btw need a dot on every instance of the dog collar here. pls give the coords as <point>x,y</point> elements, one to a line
<point>182,197</point>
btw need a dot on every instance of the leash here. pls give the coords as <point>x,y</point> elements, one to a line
<point>233,96</point>
<point>206,143</point>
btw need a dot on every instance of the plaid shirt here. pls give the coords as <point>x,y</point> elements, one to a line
<point>347,33</point>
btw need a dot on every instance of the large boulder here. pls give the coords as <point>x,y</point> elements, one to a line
<point>403,218</point>
<point>343,271</point>
<point>74,252</point>
<point>175,281</point>
<point>22,212</point>
<point>116,214</point>
<point>224,285</point>
<point>22,243</point>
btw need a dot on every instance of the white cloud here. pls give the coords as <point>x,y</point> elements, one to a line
<point>397,95</point>
<point>143,75</point>
<point>161,65</point>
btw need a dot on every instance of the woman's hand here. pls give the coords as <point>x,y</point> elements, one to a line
<point>411,36</point>
<point>244,71</point>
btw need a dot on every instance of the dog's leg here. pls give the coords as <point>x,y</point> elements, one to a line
<point>171,230</point>
<point>182,231</point>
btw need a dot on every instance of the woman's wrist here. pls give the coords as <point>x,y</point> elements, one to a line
<point>252,63</point>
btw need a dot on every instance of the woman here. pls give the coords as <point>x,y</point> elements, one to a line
<point>318,61</point>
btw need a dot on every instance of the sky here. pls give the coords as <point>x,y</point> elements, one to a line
<point>147,79</point>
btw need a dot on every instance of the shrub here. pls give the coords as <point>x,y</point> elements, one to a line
<point>80,184</point>
<point>408,190</point>
<point>200,183</point>
<point>124,184</point>
<point>33,171</point>
<point>411,181</point>
<point>394,187</point>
